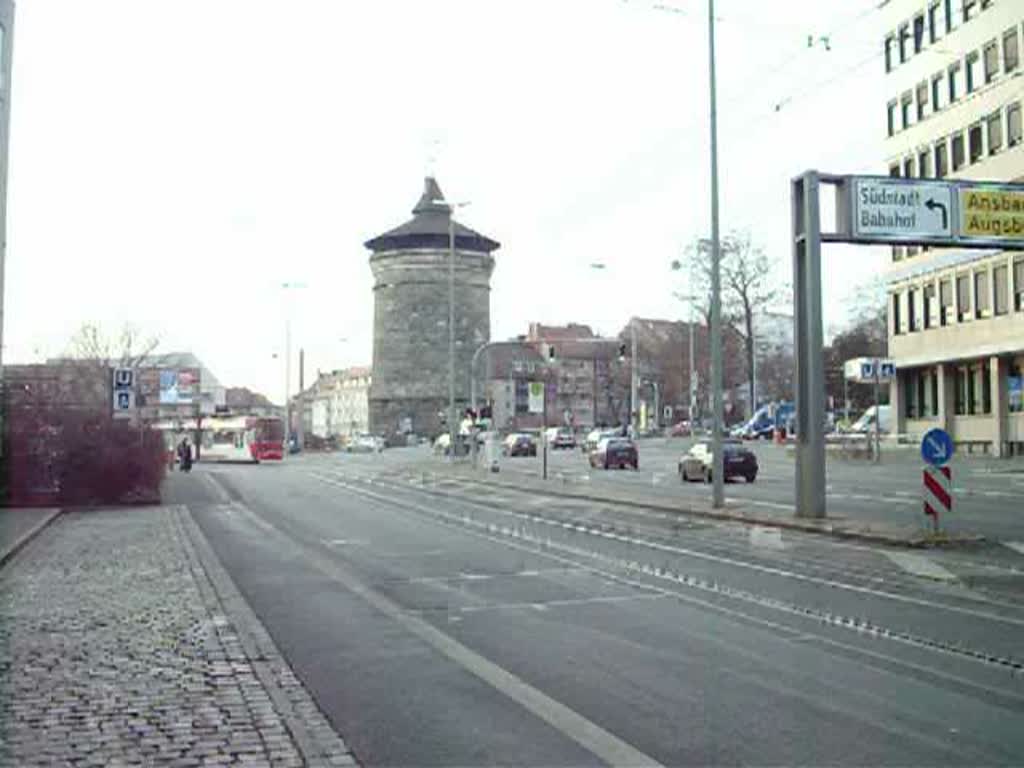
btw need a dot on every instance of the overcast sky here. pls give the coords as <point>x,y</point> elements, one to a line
<point>173,162</point>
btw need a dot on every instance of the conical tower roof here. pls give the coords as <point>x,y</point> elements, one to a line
<point>428,228</point>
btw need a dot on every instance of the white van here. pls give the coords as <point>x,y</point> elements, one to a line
<point>865,425</point>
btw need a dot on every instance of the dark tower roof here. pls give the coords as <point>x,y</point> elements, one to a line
<point>428,228</point>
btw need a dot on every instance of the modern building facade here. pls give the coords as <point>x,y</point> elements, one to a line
<point>340,403</point>
<point>954,95</point>
<point>410,265</point>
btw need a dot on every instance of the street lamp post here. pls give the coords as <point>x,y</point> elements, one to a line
<point>288,362</point>
<point>451,327</point>
<point>717,471</point>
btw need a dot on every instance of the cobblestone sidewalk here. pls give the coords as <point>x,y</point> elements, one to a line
<point>124,642</point>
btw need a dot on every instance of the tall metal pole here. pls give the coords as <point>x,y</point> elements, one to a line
<point>878,415</point>
<point>634,378</point>
<point>717,472</point>
<point>288,377</point>
<point>693,372</point>
<point>451,331</point>
<point>6,47</point>
<point>300,432</point>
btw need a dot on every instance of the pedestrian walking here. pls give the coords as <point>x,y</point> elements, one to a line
<point>185,455</point>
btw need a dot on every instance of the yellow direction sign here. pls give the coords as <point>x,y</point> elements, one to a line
<point>991,213</point>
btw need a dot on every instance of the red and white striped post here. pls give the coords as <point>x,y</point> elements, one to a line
<point>938,493</point>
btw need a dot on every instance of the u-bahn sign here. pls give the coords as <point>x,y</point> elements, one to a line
<point>882,209</point>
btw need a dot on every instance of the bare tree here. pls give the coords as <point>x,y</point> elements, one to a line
<point>747,277</point>
<point>128,350</point>
<point>748,287</point>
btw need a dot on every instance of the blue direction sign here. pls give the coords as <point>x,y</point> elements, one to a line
<point>937,447</point>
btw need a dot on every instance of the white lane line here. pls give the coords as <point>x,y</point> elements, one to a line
<point>1016,546</point>
<point>603,744</point>
<point>919,565</point>
<point>727,560</point>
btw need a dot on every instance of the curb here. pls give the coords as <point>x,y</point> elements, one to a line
<point>921,542</point>
<point>25,538</point>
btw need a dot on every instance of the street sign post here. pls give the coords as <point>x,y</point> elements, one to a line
<point>124,393</point>
<point>937,447</point>
<point>875,210</point>
<point>893,208</point>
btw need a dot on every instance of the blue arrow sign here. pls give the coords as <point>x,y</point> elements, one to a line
<point>936,447</point>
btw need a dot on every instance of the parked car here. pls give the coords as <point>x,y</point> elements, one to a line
<point>519,444</point>
<point>739,461</point>
<point>563,438</point>
<point>617,452</point>
<point>365,444</point>
<point>595,436</point>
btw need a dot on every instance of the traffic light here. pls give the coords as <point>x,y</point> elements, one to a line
<point>622,351</point>
<point>551,353</point>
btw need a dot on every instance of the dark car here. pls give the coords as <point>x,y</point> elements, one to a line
<point>615,452</point>
<point>520,445</point>
<point>739,461</point>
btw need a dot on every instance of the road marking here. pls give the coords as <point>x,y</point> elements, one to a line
<point>1016,546</point>
<point>652,544</point>
<point>919,565</point>
<point>603,744</point>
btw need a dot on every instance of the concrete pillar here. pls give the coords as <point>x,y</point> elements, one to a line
<point>899,420</point>
<point>947,396</point>
<point>1000,405</point>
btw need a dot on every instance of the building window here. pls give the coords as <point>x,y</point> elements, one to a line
<point>963,298</point>
<point>960,390</point>
<point>947,7</point>
<point>995,132</point>
<point>941,160</point>
<point>928,302</point>
<point>1018,284</point>
<point>937,92</point>
<point>934,404</point>
<point>894,170</point>
<point>952,75</point>
<point>970,7</point>
<point>905,103</point>
<point>1015,389</point>
<point>911,310</point>
<point>971,72</point>
<point>892,117</point>
<point>981,304</point>
<point>904,36</point>
<point>958,151</point>
<point>897,253</point>
<point>991,61</point>
<point>918,33</point>
<point>1013,126</point>
<point>986,387</point>
<point>924,164</point>
<point>1011,50</point>
<point>896,321</point>
<point>945,301</point>
<point>933,22</point>
<point>910,382</point>
<point>974,138</point>
<point>922,100</point>
<point>1001,286</point>
<point>908,168</point>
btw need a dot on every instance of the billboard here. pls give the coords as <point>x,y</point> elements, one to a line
<point>179,386</point>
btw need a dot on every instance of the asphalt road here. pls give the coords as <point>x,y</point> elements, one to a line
<point>438,625</point>
<point>988,493</point>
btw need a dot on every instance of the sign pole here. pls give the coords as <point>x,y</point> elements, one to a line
<point>810,365</point>
<point>878,412</point>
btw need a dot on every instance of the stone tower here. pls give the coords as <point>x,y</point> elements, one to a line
<point>409,390</point>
